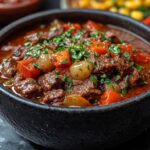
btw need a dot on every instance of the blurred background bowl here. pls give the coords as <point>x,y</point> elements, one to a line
<point>12,11</point>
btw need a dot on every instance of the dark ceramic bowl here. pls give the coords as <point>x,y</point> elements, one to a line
<point>76,128</point>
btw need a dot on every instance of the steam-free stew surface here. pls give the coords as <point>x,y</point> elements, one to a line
<point>75,64</point>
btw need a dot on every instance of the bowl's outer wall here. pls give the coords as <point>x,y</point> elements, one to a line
<point>59,129</point>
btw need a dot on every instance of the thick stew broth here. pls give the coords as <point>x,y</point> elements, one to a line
<point>74,64</point>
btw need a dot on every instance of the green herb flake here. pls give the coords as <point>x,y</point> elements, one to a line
<point>69,83</point>
<point>117,78</point>
<point>56,74</point>
<point>138,68</point>
<point>46,51</point>
<point>124,92</point>
<point>64,62</point>
<point>27,44</point>
<point>114,49</point>
<point>145,82</point>
<point>95,34</point>
<point>36,66</point>
<point>127,55</point>
<point>103,36</point>
<point>94,78</point>
<point>96,54</point>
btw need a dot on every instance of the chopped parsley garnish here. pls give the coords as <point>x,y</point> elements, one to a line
<point>124,92</point>
<point>36,66</point>
<point>69,83</point>
<point>117,78</point>
<point>127,55</point>
<point>95,34</point>
<point>56,74</point>
<point>94,78</point>
<point>27,44</point>
<point>78,52</point>
<point>45,42</point>
<point>96,54</point>
<point>138,68</point>
<point>35,51</point>
<point>64,62</point>
<point>114,49</point>
<point>46,51</point>
<point>103,36</point>
<point>104,79</point>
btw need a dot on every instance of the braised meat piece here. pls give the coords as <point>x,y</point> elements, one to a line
<point>27,88</point>
<point>56,95</point>
<point>8,68</point>
<point>135,78</point>
<point>49,81</point>
<point>107,64</point>
<point>87,89</point>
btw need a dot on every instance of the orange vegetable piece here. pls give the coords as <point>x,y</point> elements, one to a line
<point>147,21</point>
<point>73,25</point>
<point>100,47</point>
<point>141,57</point>
<point>26,68</point>
<point>110,96</point>
<point>62,59</point>
<point>93,25</point>
<point>127,48</point>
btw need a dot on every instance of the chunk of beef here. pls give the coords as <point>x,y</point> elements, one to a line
<point>54,96</point>
<point>122,65</point>
<point>107,64</point>
<point>112,37</point>
<point>52,34</point>
<point>135,78</point>
<point>34,38</point>
<point>19,53</point>
<point>104,64</point>
<point>49,81</point>
<point>27,88</point>
<point>8,68</point>
<point>87,89</point>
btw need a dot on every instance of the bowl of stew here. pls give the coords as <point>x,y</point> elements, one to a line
<point>75,78</point>
<point>10,10</point>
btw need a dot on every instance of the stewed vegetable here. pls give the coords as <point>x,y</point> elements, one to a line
<point>76,64</point>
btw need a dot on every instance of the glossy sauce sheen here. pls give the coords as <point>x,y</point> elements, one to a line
<point>128,37</point>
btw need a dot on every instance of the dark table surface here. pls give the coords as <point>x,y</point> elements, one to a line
<point>9,140</point>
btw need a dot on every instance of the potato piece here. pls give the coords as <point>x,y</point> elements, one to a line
<point>81,70</point>
<point>45,63</point>
<point>76,100</point>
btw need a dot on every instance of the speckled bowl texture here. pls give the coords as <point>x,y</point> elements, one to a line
<point>76,128</point>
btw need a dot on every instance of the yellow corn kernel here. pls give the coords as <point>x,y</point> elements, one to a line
<point>84,3</point>
<point>138,15</point>
<point>124,11</point>
<point>98,5</point>
<point>134,4</point>
<point>113,9</point>
<point>147,3</point>
<point>120,3</point>
<point>108,3</point>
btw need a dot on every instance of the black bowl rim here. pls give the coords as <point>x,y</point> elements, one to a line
<point>25,101</point>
